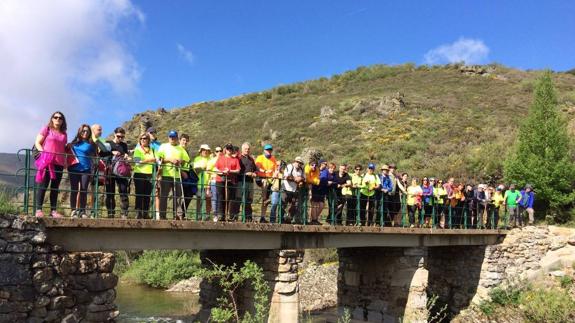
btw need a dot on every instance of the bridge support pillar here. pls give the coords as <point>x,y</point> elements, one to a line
<point>280,271</point>
<point>384,284</point>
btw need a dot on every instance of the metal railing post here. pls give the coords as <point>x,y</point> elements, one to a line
<point>153,197</point>
<point>404,219</point>
<point>449,209</point>
<point>243,198</point>
<point>358,208</point>
<point>381,208</point>
<point>279,213</point>
<point>464,217</point>
<point>27,171</point>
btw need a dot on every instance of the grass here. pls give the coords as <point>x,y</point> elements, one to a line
<point>161,269</point>
<point>7,205</point>
<point>535,304</point>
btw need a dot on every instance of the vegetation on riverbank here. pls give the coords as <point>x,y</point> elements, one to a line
<point>533,303</point>
<point>159,269</point>
<point>7,205</point>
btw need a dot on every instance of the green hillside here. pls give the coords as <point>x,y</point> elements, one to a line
<point>441,120</point>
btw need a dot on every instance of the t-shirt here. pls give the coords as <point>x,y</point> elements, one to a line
<point>290,170</point>
<point>414,194</point>
<point>84,151</point>
<point>169,151</point>
<point>55,142</point>
<point>247,164</point>
<point>139,156</point>
<point>121,147</point>
<point>342,180</point>
<point>311,176</point>
<point>511,198</point>
<point>211,166</point>
<point>201,165</point>
<point>497,199</point>
<point>227,163</point>
<point>368,184</point>
<point>268,164</point>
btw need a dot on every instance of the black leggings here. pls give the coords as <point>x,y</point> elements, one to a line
<point>79,190</point>
<point>54,185</point>
<point>143,186</point>
<point>111,192</point>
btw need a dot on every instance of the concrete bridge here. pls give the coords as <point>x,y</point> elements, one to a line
<point>385,274</point>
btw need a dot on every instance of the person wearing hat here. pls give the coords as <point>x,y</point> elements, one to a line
<point>495,203</point>
<point>394,196</point>
<point>189,177</point>
<point>213,192</point>
<point>266,164</point>
<point>227,168</point>
<point>526,205</point>
<point>369,184</point>
<point>246,177</point>
<point>294,180</point>
<point>512,199</point>
<point>382,197</point>
<point>352,216</point>
<point>172,157</point>
<point>154,142</point>
<point>200,164</point>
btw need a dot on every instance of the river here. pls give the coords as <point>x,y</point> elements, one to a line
<point>138,303</point>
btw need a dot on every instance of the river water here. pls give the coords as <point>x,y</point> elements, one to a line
<point>138,303</point>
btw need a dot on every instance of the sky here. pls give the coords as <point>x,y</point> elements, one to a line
<point>103,61</point>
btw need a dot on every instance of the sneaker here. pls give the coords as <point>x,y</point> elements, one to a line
<point>39,214</point>
<point>55,214</point>
<point>74,214</point>
<point>84,216</point>
<point>263,220</point>
<point>215,218</point>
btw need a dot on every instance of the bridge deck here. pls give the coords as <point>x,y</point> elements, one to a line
<point>133,234</point>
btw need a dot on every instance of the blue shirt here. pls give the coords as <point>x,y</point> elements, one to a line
<point>385,183</point>
<point>84,151</point>
<point>527,199</point>
<point>321,189</point>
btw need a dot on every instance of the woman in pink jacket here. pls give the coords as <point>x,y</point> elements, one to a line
<point>51,143</point>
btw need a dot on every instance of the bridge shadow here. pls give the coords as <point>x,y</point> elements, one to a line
<point>454,276</point>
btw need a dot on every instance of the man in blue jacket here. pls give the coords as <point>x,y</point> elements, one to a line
<point>526,203</point>
<point>383,197</point>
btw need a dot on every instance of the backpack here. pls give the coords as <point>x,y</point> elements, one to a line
<point>121,167</point>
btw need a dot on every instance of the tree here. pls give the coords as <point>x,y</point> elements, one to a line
<point>542,154</point>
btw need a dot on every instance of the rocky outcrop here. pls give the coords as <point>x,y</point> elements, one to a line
<point>318,287</point>
<point>42,283</point>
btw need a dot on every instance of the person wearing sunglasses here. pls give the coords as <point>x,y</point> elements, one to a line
<point>51,145</point>
<point>119,150</point>
<point>84,151</point>
<point>144,157</point>
<point>213,187</point>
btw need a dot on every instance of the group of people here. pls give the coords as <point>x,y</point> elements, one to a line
<point>224,182</point>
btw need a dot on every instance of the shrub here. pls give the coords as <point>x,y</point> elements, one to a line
<point>6,203</point>
<point>501,296</point>
<point>161,269</point>
<point>566,281</point>
<point>550,305</point>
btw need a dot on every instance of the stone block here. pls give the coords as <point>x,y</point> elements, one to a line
<point>19,247</point>
<point>94,282</point>
<point>286,288</point>
<point>3,244</point>
<point>287,277</point>
<point>39,312</point>
<point>351,278</point>
<point>106,263</point>
<point>106,297</point>
<point>87,266</point>
<point>285,268</point>
<point>5,223</point>
<point>378,306</point>
<point>82,296</point>
<point>38,238</point>
<point>100,307</point>
<point>12,272</point>
<point>71,318</point>
<point>61,302</point>
<point>43,275</point>
<point>102,316</point>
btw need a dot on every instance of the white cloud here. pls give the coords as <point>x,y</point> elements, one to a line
<point>59,55</point>
<point>470,51</point>
<point>185,53</point>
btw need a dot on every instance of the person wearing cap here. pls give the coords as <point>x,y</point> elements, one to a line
<point>227,168</point>
<point>481,200</point>
<point>318,193</point>
<point>200,164</point>
<point>189,177</point>
<point>154,142</point>
<point>526,205</point>
<point>213,191</point>
<point>369,184</point>
<point>171,157</point>
<point>266,164</point>
<point>512,199</point>
<point>344,194</point>
<point>382,197</point>
<point>293,182</point>
<point>247,174</point>
<point>394,196</point>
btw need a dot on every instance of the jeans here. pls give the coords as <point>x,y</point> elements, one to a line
<point>214,190</point>
<point>275,197</point>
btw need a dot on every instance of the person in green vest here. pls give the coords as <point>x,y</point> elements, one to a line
<point>172,157</point>
<point>369,183</point>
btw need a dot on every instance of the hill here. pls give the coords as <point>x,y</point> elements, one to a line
<point>442,121</point>
<point>9,165</point>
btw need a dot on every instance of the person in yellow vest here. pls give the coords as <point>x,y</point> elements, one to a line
<point>144,158</point>
<point>353,204</point>
<point>200,165</point>
<point>266,164</point>
<point>172,157</point>
<point>369,183</point>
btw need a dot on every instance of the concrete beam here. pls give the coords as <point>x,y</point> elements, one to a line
<point>115,234</point>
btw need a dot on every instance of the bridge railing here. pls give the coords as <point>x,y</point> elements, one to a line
<point>208,196</point>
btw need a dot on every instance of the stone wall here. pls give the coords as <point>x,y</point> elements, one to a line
<point>42,283</point>
<point>383,284</point>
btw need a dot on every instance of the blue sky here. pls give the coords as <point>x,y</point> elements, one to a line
<point>125,56</point>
